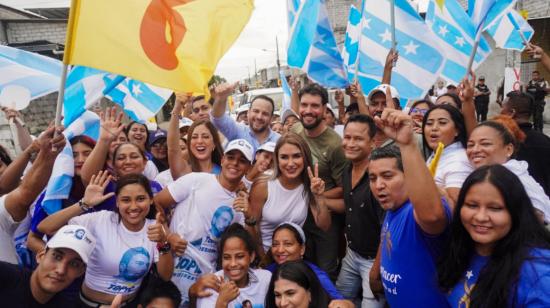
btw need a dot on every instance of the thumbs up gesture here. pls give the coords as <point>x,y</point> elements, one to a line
<point>317,184</point>
<point>157,232</point>
<point>240,204</point>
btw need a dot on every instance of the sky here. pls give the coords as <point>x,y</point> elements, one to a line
<point>255,47</point>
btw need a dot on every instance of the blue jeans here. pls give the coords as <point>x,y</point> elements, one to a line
<point>354,274</point>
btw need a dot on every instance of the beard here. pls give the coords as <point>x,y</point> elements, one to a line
<point>258,130</point>
<point>312,125</point>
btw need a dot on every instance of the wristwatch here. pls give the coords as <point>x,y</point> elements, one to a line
<point>250,221</point>
<point>164,248</point>
<point>83,206</point>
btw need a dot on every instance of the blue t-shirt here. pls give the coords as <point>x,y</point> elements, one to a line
<point>325,281</point>
<point>407,264</point>
<point>533,288</point>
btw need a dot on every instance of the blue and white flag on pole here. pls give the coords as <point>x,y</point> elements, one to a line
<point>85,86</point>
<point>37,73</point>
<point>351,41</point>
<point>287,93</point>
<point>486,12</point>
<point>420,60</point>
<point>60,183</point>
<point>455,33</point>
<point>312,45</point>
<point>510,31</point>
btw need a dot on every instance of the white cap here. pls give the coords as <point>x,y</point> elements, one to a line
<point>185,122</point>
<point>382,88</point>
<point>243,146</point>
<point>74,237</point>
<point>242,108</point>
<point>268,147</point>
<point>287,113</point>
<point>334,111</point>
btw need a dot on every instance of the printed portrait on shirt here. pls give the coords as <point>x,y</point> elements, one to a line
<point>248,304</point>
<point>221,219</point>
<point>134,264</point>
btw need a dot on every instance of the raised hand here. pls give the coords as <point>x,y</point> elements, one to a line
<point>317,184</point>
<point>466,88</point>
<point>390,103</point>
<point>178,244</point>
<point>228,292</point>
<point>111,124</point>
<point>294,84</point>
<point>356,90</point>
<point>157,232</point>
<point>222,91</point>
<point>534,51</point>
<point>396,125</point>
<point>392,57</point>
<point>240,204</point>
<point>339,97</point>
<point>94,193</point>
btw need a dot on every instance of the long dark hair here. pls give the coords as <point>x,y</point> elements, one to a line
<point>218,149</point>
<point>456,117</point>
<point>4,156</point>
<point>78,188</point>
<point>498,279</point>
<point>129,127</point>
<point>300,143</point>
<point>299,273</point>
<point>140,179</point>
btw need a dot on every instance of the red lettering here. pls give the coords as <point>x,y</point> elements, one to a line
<point>158,16</point>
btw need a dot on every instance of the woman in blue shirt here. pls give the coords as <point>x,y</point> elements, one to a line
<point>498,253</point>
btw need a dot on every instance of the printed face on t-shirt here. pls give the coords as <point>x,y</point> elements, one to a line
<point>134,264</point>
<point>58,268</point>
<point>221,220</point>
<point>387,183</point>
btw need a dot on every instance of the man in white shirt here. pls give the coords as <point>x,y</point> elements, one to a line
<point>15,205</point>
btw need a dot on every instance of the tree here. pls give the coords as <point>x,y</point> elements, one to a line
<point>216,80</point>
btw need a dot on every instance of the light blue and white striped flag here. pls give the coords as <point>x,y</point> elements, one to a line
<point>420,61</point>
<point>351,41</point>
<point>484,13</point>
<point>61,181</point>
<point>455,33</point>
<point>85,86</point>
<point>37,73</point>
<point>508,30</point>
<point>287,93</point>
<point>312,45</point>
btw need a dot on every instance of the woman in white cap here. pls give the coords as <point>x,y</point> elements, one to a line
<point>289,194</point>
<point>128,241</point>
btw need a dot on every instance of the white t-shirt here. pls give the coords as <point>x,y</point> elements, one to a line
<point>536,193</point>
<point>255,292</point>
<point>164,178</point>
<point>203,212</point>
<point>339,129</point>
<point>7,229</point>
<point>282,205</point>
<point>121,257</point>
<point>150,170</point>
<point>453,167</point>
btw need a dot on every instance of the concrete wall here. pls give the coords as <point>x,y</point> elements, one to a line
<point>28,31</point>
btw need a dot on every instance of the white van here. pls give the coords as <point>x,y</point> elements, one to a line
<point>276,94</point>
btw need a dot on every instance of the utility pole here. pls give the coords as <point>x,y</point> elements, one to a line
<point>277,49</point>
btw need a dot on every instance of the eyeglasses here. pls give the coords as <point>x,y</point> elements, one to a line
<point>418,110</point>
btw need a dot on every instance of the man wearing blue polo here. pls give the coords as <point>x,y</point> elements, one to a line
<point>260,113</point>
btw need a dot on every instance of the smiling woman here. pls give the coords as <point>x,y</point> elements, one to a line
<point>498,255</point>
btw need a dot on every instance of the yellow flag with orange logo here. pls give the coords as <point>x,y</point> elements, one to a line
<point>174,44</point>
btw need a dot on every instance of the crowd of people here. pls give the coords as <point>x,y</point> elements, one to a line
<point>369,205</point>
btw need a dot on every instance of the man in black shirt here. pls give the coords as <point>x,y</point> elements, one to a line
<point>538,88</point>
<point>535,149</point>
<point>482,94</point>
<point>63,260</point>
<point>363,213</point>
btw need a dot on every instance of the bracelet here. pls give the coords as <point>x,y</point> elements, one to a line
<point>163,248</point>
<point>250,221</point>
<point>83,206</point>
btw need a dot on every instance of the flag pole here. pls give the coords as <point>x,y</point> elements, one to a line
<point>392,19</point>
<point>359,45</point>
<point>474,49</point>
<point>75,6</point>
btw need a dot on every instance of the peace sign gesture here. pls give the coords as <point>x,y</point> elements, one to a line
<point>317,184</point>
